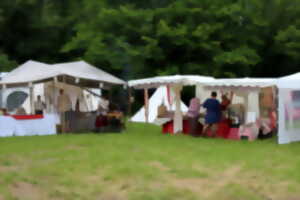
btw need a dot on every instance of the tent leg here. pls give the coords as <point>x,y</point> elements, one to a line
<point>1,96</point>
<point>129,102</point>
<point>64,120</point>
<point>31,99</point>
<point>146,103</point>
<point>177,122</point>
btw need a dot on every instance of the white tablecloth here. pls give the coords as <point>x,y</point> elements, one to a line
<point>12,127</point>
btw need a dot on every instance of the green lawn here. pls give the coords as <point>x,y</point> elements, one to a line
<point>143,164</point>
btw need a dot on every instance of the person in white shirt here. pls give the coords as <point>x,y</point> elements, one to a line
<point>64,105</point>
<point>39,106</point>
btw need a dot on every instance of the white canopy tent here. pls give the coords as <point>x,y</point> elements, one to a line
<point>81,72</point>
<point>176,83</point>
<point>74,73</point>
<point>246,91</point>
<point>78,73</point>
<point>159,97</point>
<point>289,109</point>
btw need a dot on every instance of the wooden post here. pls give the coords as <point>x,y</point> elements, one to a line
<point>64,121</point>
<point>54,103</point>
<point>146,104</point>
<point>177,126</point>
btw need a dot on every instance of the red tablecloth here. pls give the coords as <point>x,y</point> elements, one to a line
<point>224,130</point>
<point>234,134</point>
<point>27,117</point>
<point>168,128</point>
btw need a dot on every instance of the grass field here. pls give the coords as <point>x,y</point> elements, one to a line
<point>143,164</point>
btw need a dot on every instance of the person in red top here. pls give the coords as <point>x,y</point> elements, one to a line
<point>226,101</point>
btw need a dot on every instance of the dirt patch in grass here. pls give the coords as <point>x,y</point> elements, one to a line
<point>267,188</point>
<point>112,196</point>
<point>23,190</point>
<point>8,169</point>
<point>159,166</point>
<point>204,187</point>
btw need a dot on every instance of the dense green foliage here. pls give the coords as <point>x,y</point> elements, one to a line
<point>139,38</point>
<point>144,164</point>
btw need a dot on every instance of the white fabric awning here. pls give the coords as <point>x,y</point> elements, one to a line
<point>155,82</point>
<point>232,83</point>
<point>33,72</point>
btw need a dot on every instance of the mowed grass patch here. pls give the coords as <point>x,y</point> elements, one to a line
<point>142,163</point>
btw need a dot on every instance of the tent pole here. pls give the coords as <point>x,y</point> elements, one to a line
<point>64,121</point>
<point>3,104</point>
<point>31,98</point>
<point>146,104</point>
<point>53,96</point>
<point>129,101</point>
<point>177,122</point>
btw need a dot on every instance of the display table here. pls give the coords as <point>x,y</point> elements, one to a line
<point>27,125</point>
<point>223,131</point>
<point>168,127</point>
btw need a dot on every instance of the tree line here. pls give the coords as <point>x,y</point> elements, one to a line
<point>143,38</point>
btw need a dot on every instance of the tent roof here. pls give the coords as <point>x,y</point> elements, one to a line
<point>157,81</point>
<point>84,70</point>
<point>242,82</point>
<point>295,76</point>
<point>30,71</point>
<point>291,81</point>
<point>33,71</point>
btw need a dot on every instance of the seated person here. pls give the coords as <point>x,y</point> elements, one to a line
<point>101,123</point>
<point>265,129</point>
<point>113,119</point>
<point>249,131</point>
<point>20,111</point>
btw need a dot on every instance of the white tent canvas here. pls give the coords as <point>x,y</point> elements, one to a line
<point>34,72</point>
<point>87,101</point>
<point>289,108</point>
<point>160,96</point>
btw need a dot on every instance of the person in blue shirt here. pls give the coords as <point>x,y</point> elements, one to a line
<point>213,114</point>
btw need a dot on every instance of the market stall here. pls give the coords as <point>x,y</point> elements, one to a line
<point>175,83</point>
<point>252,106</point>
<point>76,78</point>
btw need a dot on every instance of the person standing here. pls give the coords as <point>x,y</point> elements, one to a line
<point>64,105</point>
<point>39,106</point>
<point>213,114</point>
<point>226,101</point>
<point>193,115</point>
